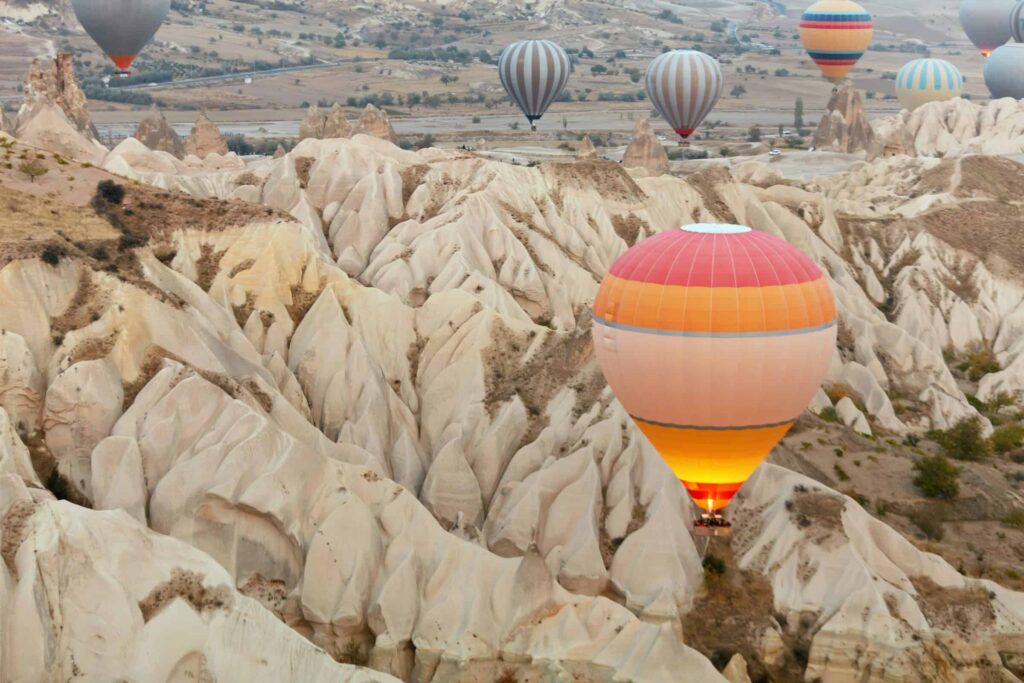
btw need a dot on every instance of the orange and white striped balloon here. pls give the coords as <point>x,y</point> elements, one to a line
<point>714,338</point>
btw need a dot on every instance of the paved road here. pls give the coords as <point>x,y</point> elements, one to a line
<point>207,80</point>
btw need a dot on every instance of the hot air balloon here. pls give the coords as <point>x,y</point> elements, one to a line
<point>1017,22</point>
<point>121,27</point>
<point>835,34</point>
<point>534,73</point>
<point>714,338</point>
<point>986,22</point>
<point>928,80</point>
<point>1004,71</point>
<point>684,86</point>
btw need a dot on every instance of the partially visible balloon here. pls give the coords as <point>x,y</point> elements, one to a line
<point>986,22</point>
<point>1004,72</point>
<point>534,73</point>
<point>714,338</point>
<point>121,27</point>
<point>835,34</point>
<point>684,86</point>
<point>1017,22</point>
<point>928,80</point>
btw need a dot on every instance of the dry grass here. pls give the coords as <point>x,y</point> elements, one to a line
<point>730,616</point>
<point>188,586</point>
<point>516,366</point>
<point>963,611</point>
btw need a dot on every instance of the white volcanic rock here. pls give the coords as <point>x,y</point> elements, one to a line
<point>49,128</point>
<point>953,128</point>
<point>373,122</point>
<point>98,596</point>
<point>911,615</point>
<point>205,138</point>
<point>321,124</point>
<point>157,134</point>
<point>82,405</point>
<point>409,224</point>
<point>645,151</point>
<point>14,456</point>
<point>586,150</point>
<point>844,127</point>
<point>54,84</point>
<point>851,416</point>
<point>346,529</point>
<point>396,437</point>
<point>23,387</point>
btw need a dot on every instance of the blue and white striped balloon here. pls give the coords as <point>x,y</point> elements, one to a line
<point>534,73</point>
<point>928,80</point>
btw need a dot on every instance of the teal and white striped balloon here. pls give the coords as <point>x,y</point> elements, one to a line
<point>928,80</point>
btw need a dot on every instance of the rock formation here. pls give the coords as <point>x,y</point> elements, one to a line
<point>312,124</point>
<point>156,133</point>
<point>205,138</point>
<point>375,122</point>
<point>953,128</point>
<point>586,150</point>
<point>54,115</point>
<point>844,127</point>
<point>6,124</point>
<point>54,84</point>
<point>645,151</point>
<point>385,423</point>
<point>98,596</point>
<point>320,124</point>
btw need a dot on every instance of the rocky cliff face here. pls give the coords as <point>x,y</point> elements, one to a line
<point>54,115</point>
<point>953,128</point>
<point>360,381</point>
<point>320,124</point>
<point>645,151</point>
<point>586,151</point>
<point>844,127</point>
<point>157,134</point>
<point>205,139</point>
<point>54,84</point>
<point>376,123</point>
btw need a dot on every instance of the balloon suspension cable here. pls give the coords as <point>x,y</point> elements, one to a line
<point>707,544</point>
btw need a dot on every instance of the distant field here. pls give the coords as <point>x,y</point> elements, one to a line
<point>439,95</point>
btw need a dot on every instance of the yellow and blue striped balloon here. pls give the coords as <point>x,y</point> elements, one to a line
<point>928,80</point>
<point>835,34</point>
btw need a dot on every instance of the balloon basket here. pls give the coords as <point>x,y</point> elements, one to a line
<point>684,143</point>
<point>122,74</point>
<point>710,524</point>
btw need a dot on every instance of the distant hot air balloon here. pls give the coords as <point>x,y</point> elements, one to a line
<point>684,86</point>
<point>534,73</point>
<point>1017,22</point>
<point>121,27</point>
<point>714,338</point>
<point>986,22</point>
<point>928,80</point>
<point>835,34</point>
<point>1004,71</point>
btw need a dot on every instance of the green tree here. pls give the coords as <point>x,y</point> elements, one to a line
<point>798,114</point>
<point>32,169</point>
<point>964,440</point>
<point>937,477</point>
